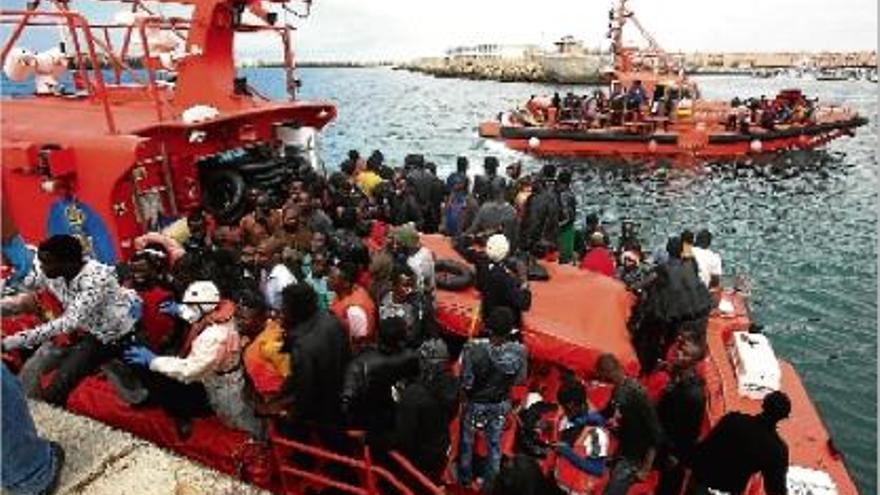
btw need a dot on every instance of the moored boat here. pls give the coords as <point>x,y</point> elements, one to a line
<point>653,110</point>
<point>140,156</point>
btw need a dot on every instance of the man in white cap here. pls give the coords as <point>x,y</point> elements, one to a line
<point>498,284</point>
<point>210,354</point>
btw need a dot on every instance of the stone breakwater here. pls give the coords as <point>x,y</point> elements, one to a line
<point>545,68</point>
<point>521,70</point>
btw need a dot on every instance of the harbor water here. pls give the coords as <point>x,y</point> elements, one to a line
<point>800,228</point>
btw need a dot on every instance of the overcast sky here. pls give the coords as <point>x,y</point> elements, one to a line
<point>403,29</point>
<point>364,29</point>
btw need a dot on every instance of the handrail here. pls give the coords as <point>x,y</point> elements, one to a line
<point>415,473</point>
<point>371,472</point>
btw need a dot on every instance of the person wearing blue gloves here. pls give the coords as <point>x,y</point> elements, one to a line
<point>94,304</point>
<point>210,354</point>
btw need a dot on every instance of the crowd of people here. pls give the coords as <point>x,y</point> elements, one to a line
<point>633,103</point>
<point>601,109</point>
<point>316,311</point>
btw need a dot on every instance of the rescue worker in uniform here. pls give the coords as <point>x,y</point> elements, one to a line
<point>211,354</point>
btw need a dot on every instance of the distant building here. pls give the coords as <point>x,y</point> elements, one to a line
<point>490,51</point>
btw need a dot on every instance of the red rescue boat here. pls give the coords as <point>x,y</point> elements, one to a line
<point>124,150</point>
<point>652,110</point>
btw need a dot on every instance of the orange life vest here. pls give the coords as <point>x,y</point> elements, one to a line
<point>358,297</point>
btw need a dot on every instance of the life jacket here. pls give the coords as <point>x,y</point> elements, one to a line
<point>358,297</point>
<point>593,441</point>
<point>223,313</point>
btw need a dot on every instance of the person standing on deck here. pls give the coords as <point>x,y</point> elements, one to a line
<point>567,216</point>
<point>490,369</point>
<point>30,464</point>
<point>708,261</point>
<point>638,431</point>
<point>740,446</point>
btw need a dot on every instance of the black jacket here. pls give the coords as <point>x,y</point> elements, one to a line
<point>422,427</point>
<point>485,185</point>
<point>366,389</point>
<point>499,287</point>
<point>541,221</point>
<point>319,351</point>
<point>681,410</point>
<point>677,295</point>
<point>739,446</point>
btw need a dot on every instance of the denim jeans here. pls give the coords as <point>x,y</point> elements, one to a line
<point>489,418</point>
<point>28,463</point>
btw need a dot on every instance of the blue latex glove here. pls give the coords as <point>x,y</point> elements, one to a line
<point>139,355</point>
<point>136,310</point>
<point>169,308</point>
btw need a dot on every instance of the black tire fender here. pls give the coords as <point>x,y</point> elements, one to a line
<point>453,275</point>
<point>232,186</point>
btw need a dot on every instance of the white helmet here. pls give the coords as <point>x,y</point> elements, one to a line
<point>201,292</point>
<point>497,247</point>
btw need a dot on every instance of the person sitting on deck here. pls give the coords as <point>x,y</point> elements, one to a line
<point>637,428</point>
<point>741,445</point>
<point>583,447</point>
<point>490,369</point>
<point>210,354</point>
<point>94,303</point>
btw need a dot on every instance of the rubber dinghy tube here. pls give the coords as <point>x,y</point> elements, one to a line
<point>223,192</point>
<point>452,275</point>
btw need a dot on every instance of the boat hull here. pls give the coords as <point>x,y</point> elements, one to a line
<point>544,141</point>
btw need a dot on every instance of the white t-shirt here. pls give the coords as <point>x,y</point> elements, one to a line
<point>273,282</point>
<point>708,263</point>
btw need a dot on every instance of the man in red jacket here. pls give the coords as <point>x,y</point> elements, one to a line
<point>598,258</point>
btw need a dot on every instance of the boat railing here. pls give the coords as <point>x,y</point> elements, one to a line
<point>85,54</point>
<point>109,74</point>
<point>302,465</point>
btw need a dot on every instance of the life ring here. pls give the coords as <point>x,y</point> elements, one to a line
<point>452,275</point>
<point>223,194</point>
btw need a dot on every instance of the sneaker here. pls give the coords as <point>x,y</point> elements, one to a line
<point>127,385</point>
<point>58,456</point>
